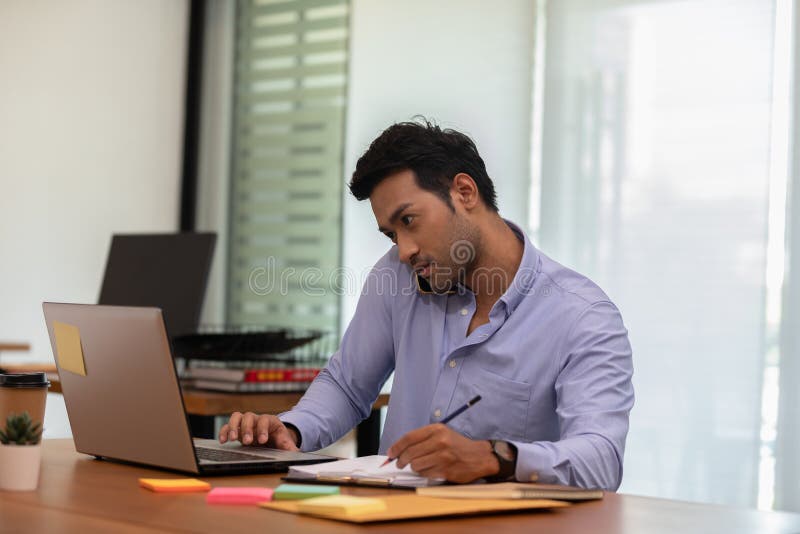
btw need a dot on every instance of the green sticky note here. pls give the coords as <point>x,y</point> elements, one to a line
<point>286,492</point>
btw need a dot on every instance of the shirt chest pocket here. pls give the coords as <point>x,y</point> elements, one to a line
<point>502,412</point>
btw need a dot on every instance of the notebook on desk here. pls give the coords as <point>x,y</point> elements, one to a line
<point>363,471</point>
<point>513,490</point>
<point>123,399</point>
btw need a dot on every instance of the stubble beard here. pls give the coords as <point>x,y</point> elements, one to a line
<point>462,253</point>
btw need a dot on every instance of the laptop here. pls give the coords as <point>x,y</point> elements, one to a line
<point>128,405</point>
<point>167,271</point>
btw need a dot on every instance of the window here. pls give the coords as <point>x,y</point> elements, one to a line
<point>663,173</point>
<point>286,177</point>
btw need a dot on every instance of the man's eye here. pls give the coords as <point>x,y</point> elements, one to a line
<point>407,219</point>
<point>390,235</point>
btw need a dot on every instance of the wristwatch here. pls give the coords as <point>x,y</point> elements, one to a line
<point>506,454</point>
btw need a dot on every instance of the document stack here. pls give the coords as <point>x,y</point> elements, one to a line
<point>252,361</point>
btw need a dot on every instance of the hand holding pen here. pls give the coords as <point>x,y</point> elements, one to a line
<point>446,420</point>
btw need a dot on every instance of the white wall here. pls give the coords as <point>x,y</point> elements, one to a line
<point>91,126</point>
<point>465,63</point>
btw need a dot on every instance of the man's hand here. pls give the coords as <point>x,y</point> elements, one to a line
<point>437,451</point>
<point>267,429</point>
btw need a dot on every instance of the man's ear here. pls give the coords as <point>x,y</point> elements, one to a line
<point>464,191</point>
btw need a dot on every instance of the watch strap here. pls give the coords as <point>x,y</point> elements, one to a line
<point>508,466</point>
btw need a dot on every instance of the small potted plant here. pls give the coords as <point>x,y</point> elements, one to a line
<point>20,453</point>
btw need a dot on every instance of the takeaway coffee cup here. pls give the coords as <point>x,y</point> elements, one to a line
<point>23,392</point>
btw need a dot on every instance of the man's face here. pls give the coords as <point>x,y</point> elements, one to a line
<point>438,242</point>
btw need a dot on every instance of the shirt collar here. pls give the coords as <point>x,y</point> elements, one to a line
<point>526,274</point>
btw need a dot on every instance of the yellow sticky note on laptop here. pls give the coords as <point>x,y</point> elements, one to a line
<point>174,485</point>
<point>68,348</point>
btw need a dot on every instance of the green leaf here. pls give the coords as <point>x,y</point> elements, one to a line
<point>20,429</point>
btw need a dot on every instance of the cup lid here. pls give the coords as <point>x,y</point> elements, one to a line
<point>24,380</point>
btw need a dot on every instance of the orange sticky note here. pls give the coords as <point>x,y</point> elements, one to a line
<point>174,485</point>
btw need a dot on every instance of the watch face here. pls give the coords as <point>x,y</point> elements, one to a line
<point>504,450</point>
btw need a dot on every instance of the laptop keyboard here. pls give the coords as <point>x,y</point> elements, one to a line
<point>221,455</point>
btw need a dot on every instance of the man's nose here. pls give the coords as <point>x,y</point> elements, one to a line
<point>406,249</point>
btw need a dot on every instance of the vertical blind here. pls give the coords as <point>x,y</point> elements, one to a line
<point>656,169</point>
<point>286,182</point>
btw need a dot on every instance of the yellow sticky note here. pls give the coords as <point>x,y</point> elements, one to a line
<point>68,348</point>
<point>174,485</point>
<point>341,504</point>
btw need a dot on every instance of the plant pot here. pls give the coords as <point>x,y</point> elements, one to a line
<point>19,467</point>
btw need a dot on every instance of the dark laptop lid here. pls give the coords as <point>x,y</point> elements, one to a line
<point>167,271</point>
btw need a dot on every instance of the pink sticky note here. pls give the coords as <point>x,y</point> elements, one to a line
<point>239,495</point>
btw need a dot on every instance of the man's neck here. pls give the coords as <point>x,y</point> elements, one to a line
<point>497,262</point>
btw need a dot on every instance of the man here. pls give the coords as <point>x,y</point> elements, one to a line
<point>492,316</point>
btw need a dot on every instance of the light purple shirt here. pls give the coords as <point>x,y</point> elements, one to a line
<point>553,367</point>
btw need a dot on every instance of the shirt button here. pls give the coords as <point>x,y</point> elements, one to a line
<point>464,311</point>
<point>438,413</point>
<point>452,363</point>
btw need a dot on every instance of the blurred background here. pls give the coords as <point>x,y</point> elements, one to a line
<point>649,144</point>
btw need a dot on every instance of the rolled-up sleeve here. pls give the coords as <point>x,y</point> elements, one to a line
<point>594,396</point>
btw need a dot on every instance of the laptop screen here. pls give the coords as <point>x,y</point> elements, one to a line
<point>167,271</point>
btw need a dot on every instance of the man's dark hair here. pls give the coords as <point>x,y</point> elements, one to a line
<point>435,156</point>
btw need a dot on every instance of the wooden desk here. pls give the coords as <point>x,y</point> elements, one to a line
<point>20,347</point>
<point>203,406</point>
<point>79,494</point>
<point>218,402</point>
<point>23,347</point>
